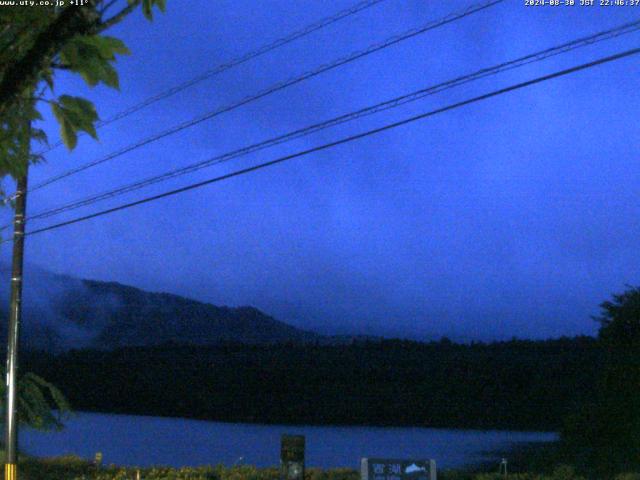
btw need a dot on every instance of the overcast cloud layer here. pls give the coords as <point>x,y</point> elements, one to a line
<point>513,217</point>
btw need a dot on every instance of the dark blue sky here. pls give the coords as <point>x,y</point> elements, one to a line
<point>516,216</point>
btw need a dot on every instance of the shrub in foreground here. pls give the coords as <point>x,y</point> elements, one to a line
<point>75,468</point>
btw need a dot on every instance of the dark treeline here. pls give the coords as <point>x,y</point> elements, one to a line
<point>506,385</point>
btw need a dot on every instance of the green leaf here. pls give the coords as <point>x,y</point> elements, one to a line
<point>116,46</point>
<point>106,47</point>
<point>40,404</point>
<point>74,114</point>
<point>35,115</point>
<point>39,135</point>
<point>92,57</point>
<point>67,132</point>
<point>146,9</point>
<point>47,74</point>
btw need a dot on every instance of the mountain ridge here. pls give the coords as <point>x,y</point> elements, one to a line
<point>62,312</point>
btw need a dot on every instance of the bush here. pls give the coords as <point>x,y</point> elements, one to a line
<point>75,468</point>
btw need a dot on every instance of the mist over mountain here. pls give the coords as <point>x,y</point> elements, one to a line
<point>62,312</point>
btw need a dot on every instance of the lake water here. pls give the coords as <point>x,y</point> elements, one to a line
<point>145,441</point>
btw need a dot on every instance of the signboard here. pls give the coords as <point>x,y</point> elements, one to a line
<point>393,469</point>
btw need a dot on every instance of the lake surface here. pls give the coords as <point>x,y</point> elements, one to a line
<point>145,441</point>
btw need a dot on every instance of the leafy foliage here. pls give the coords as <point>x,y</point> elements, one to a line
<point>74,114</point>
<point>620,320</point>
<point>606,429</point>
<point>15,135</point>
<point>37,42</point>
<point>74,468</point>
<point>92,57</point>
<point>40,404</point>
<point>147,7</point>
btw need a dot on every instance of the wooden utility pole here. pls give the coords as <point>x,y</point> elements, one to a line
<point>13,334</point>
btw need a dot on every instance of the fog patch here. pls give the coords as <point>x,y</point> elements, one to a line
<point>59,312</point>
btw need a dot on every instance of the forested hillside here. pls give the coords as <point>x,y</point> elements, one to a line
<point>62,312</point>
<point>510,385</point>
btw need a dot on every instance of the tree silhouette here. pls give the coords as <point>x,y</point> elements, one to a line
<point>607,427</point>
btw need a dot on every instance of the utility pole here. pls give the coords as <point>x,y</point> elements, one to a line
<point>15,309</point>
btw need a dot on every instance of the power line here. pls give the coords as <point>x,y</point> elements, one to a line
<point>277,87</point>
<point>393,103</point>
<point>351,138</point>
<point>266,48</point>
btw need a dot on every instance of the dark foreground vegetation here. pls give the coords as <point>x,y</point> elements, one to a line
<point>510,385</point>
<point>72,468</point>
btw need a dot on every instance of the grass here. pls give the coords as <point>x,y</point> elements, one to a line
<point>532,462</point>
<point>74,468</point>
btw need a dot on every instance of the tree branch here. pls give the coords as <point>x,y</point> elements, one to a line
<point>106,7</point>
<point>24,72</point>
<point>118,17</point>
<point>60,66</point>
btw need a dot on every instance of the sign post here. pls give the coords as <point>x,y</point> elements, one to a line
<point>292,457</point>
